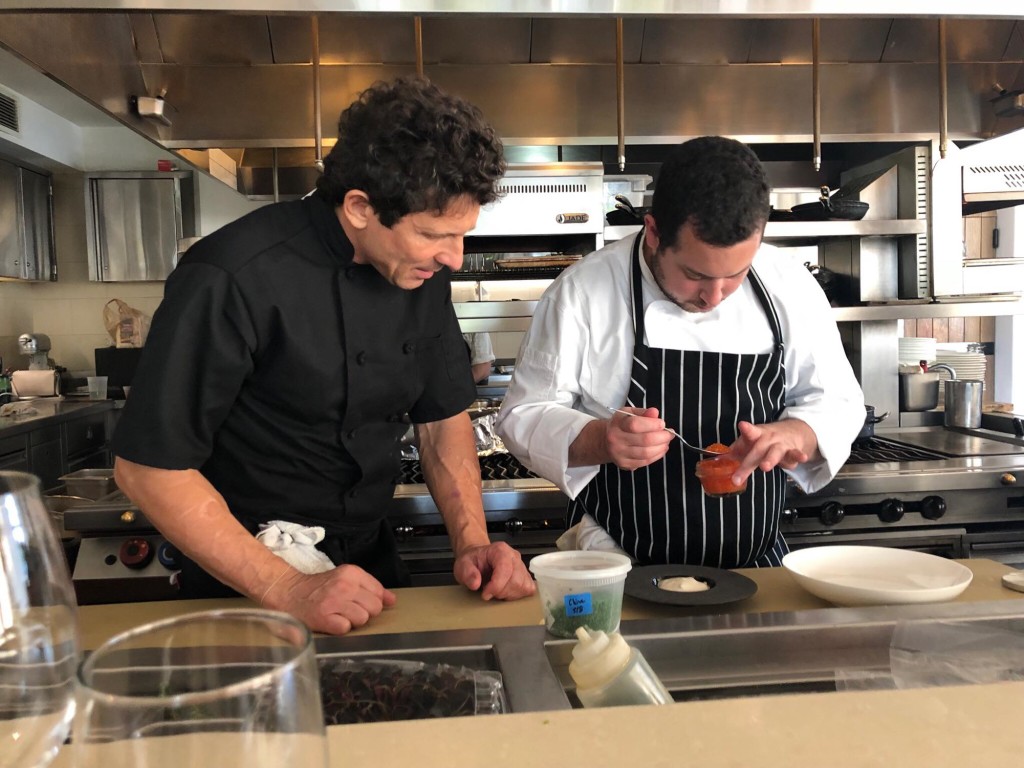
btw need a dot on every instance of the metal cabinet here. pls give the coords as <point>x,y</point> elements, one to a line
<point>134,221</point>
<point>26,224</point>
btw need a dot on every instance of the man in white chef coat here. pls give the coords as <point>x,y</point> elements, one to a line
<point>697,326</point>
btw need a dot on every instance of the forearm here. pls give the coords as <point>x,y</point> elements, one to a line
<point>452,473</point>
<point>590,448</point>
<point>194,517</point>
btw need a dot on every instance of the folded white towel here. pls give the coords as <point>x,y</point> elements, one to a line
<point>588,534</point>
<point>296,545</point>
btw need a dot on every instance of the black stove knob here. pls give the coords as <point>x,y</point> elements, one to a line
<point>890,510</point>
<point>831,513</point>
<point>933,507</point>
<point>513,525</point>
<point>790,515</point>
<point>404,532</point>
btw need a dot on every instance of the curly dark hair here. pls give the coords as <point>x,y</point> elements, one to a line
<point>716,184</point>
<point>412,147</point>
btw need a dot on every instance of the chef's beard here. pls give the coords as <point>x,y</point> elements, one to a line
<point>691,307</point>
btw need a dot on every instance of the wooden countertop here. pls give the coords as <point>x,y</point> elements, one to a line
<point>954,727</point>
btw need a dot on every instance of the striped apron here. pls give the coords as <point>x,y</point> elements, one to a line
<point>659,513</point>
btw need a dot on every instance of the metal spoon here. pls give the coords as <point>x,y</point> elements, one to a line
<point>701,451</point>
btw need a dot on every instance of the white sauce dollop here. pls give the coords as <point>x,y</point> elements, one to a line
<point>683,584</point>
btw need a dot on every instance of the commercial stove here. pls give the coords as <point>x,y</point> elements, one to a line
<point>954,492</point>
<point>957,493</point>
<point>121,557</point>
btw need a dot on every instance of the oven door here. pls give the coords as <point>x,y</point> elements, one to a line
<point>1003,546</point>
<point>944,542</point>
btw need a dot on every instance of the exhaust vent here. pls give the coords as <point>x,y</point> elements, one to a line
<point>8,114</point>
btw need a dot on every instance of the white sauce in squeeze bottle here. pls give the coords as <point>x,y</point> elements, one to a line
<point>610,673</point>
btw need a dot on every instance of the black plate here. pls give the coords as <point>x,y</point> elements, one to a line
<point>726,586</point>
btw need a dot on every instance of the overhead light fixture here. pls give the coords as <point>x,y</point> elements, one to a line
<point>149,107</point>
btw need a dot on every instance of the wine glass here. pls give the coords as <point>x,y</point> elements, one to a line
<point>39,643</point>
<point>223,688</point>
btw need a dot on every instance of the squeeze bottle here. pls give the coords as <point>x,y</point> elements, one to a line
<point>609,673</point>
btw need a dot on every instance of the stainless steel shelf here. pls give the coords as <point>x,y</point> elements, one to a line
<point>1012,305</point>
<point>813,230</point>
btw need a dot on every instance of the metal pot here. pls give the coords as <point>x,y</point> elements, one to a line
<point>919,391</point>
<point>963,403</point>
<point>868,430</point>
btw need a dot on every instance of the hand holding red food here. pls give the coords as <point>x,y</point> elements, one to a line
<point>785,444</point>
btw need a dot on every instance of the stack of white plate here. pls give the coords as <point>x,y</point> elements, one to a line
<point>968,365</point>
<point>914,349</point>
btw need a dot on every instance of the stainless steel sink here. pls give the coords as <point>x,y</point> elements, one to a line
<point>697,657</point>
<point>766,654</point>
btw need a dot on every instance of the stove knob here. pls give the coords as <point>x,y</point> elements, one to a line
<point>831,513</point>
<point>1008,479</point>
<point>403,532</point>
<point>513,525</point>
<point>135,554</point>
<point>790,515</point>
<point>890,511</point>
<point>933,507</point>
<point>168,556</point>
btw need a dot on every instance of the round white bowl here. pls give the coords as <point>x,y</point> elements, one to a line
<point>853,575</point>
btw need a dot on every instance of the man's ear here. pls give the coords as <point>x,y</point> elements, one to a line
<point>355,209</point>
<point>651,233</point>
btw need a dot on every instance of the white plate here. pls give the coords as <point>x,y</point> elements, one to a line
<point>850,575</point>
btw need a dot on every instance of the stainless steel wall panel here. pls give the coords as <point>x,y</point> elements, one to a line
<point>781,41</point>
<point>231,104</point>
<point>360,39</point>
<point>912,40</point>
<point>1015,45</point>
<point>137,228</point>
<point>291,39</point>
<point>978,39</point>
<point>854,40</point>
<point>697,41</point>
<point>91,54</point>
<point>214,39</point>
<point>585,41</point>
<point>477,40</point>
<point>146,40</point>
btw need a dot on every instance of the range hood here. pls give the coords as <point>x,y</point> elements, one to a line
<point>993,173</point>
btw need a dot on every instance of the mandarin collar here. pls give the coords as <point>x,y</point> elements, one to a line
<point>328,228</point>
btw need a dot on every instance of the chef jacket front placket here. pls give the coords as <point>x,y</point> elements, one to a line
<point>383,382</point>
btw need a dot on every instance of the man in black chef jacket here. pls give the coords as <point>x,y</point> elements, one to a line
<point>288,351</point>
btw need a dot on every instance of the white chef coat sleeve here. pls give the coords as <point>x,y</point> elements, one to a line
<point>539,420</point>
<point>480,349</point>
<point>821,388</point>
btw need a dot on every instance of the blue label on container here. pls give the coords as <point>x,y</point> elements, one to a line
<point>579,604</point>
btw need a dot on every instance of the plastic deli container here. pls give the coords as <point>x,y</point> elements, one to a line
<point>580,589</point>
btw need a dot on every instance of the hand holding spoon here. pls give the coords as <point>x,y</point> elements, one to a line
<point>701,451</point>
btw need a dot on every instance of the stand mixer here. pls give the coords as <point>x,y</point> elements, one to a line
<point>37,347</point>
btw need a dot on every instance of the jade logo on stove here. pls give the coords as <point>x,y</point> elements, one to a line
<point>572,218</point>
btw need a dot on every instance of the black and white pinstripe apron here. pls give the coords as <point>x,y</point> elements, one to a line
<point>658,513</point>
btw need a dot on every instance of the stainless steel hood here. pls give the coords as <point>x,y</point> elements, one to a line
<point>242,80</point>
